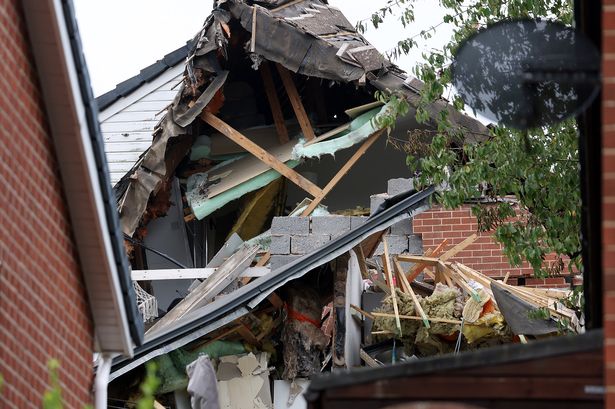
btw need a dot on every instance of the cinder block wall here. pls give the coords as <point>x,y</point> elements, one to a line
<point>43,306</point>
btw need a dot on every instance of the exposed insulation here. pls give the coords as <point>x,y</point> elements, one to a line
<point>360,129</point>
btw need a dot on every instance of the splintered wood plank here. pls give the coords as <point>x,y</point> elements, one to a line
<point>410,291</point>
<point>342,172</point>
<point>260,153</point>
<point>458,248</point>
<point>263,260</point>
<point>411,317</point>
<point>388,271</point>
<point>460,280</point>
<point>326,135</point>
<point>248,336</point>
<point>275,300</point>
<point>361,260</point>
<point>274,102</point>
<point>505,280</point>
<point>295,101</point>
<point>431,261</point>
<point>205,292</point>
<point>418,268</point>
<point>362,312</point>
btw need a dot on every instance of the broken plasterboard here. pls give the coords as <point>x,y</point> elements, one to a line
<point>289,395</point>
<point>207,192</point>
<point>243,382</point>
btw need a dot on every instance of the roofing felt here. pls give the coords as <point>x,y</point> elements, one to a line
<point>135,320</point>
<point>226,309</point>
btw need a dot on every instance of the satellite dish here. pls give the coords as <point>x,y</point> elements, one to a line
<point>527,73</point>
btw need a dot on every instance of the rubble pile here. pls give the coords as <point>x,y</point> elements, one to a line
<point>428,306</point>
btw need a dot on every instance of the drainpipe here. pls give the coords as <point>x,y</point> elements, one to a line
<point>102,380</point>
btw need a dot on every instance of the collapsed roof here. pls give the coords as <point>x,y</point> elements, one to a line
<point>224,310</point>
<point>306,37</point>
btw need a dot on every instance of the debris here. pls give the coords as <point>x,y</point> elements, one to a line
<point>208,289</point>
<point>302,338</point>
<point>202,385</point>
<point>242,390</point>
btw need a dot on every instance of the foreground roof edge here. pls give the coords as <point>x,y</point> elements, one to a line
<point>508,353</point>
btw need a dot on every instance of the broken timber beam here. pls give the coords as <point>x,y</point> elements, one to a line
<point>430,261</point>
<point>260,153</point>
<point>295,101</point>
<point>274,102</point>
<point>418,268</point>
<point>387,269</point>
<point>409,290</point>
<point>458,248</point>
<point>342,172</point>
<point>189,273</point>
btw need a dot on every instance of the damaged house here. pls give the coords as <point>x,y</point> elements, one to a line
<point>258,256</point>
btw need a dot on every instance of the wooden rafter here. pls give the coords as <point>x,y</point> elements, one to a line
<point>295,101</point>
<point>270,160</point>
<point>388,270</point>
<point>274,102</point>
<point>342,172</point>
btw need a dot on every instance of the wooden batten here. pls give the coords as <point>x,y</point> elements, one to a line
<point>261,154</point>
<point>274,102</point>
<point>295,101</point>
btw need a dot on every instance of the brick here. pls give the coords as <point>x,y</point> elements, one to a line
<point>356,221</point>
<point>398,186</point>
<point>44,326</point>
<point>280,244</point>
<point>330,225</point>
<point>278,260</point>
<point>375,201</point>
<point>307,244</point>
<point>294,226</point>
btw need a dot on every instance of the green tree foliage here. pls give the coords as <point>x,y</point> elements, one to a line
<point>540,169</point>
<point>52,398</point>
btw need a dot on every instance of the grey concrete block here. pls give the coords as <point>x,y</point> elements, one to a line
<point>330,225</point>
<point>415,244</point>
<point>278,261</point>
<point>356,221</point>
<point>399,185</point>
<point>307,244</point>
<point>402,228</point>
<point>375,201</point>
<point>397,245</point>
<point>280,244</point>
<point>294,226</point>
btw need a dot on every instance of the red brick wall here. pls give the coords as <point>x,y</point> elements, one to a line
<point>608,195</point>
<point>484,255</point>
<point>43,306</point>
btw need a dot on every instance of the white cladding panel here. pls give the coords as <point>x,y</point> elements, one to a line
<point>127,125</point>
